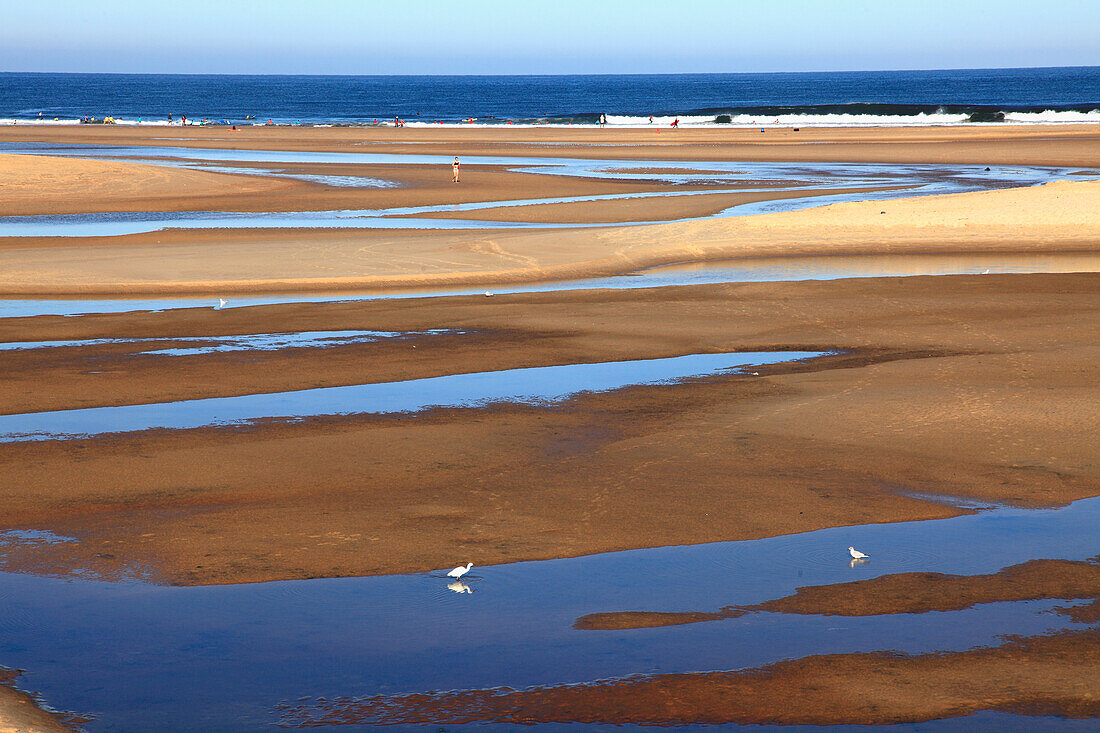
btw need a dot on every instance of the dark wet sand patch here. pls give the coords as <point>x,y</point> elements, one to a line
<point>652,208</point>
<point>899,593</point>
<point>1042,676</point>
<point>1086,614</point>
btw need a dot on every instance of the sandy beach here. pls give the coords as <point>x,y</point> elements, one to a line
<point>928,387</point>
<point>1058,217</point>
<point>961,386</point>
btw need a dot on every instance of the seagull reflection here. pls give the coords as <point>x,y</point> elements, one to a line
<point>857,561</point>
<point>459,587</point>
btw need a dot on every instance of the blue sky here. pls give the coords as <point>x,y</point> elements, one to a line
<point>542,36</point>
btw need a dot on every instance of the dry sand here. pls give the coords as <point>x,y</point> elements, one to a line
<point>1054,217</point>
<point>38,184</point>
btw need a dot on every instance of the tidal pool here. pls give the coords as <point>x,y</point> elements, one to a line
<point>200,345</point>
<point>478,389</point>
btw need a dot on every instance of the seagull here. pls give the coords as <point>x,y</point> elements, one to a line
<point>222,302</point>
<point>488,294</point>
<point>856,554</point>
<point>460,571</point>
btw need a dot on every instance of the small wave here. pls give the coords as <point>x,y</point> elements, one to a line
<point>920,119</point>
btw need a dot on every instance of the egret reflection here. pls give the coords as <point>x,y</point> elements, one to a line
<point>459,587</point>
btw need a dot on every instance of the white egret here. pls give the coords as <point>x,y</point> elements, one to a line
<point>460,571</point>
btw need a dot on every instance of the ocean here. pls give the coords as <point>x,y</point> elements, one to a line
<point>977,96</point>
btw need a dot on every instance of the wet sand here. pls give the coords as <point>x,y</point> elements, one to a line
<point>971,385</point>
<point>637,209</point>
<point>900,593</point>
<point>1041,676</point>
<point>20,713</point>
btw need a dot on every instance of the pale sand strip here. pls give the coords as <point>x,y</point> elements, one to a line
<point>1062,216</point>
<point>45,179</point>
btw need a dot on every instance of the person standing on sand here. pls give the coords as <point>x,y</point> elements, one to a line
<point>454,170</point>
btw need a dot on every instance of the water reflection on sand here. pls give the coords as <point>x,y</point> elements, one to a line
<point>224,658</point>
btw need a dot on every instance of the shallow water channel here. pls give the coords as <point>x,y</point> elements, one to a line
<point>531,385</point>
<point>892,180</point>
<point>763,269</point>
<point>224,658</point>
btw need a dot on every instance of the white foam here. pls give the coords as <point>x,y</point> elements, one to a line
<point>1047,117</point>
<point>1050,117</point>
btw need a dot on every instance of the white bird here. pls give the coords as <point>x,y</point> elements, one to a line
<point>460,571</point>
<point>488,294</point>
<point>856,554</point>
<point>222,302</point>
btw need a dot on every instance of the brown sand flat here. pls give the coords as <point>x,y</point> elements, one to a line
<point>899,593</point>
<point>973,386</point>
<point>1052,675</point>
<point>1055,217</point>
<point>924,592</point>
<point>1086,614</point>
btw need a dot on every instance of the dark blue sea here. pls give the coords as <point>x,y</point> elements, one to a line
<point>1070,94</point>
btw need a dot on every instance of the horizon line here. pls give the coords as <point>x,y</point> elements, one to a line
<point>633,73</point>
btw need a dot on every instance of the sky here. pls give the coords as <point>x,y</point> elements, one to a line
<point>542,36</point>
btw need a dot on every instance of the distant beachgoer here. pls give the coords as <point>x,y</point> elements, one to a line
<point>454,170</point>
<point>651,119</point>
<point>675,123</point>
<point>169,119</point>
